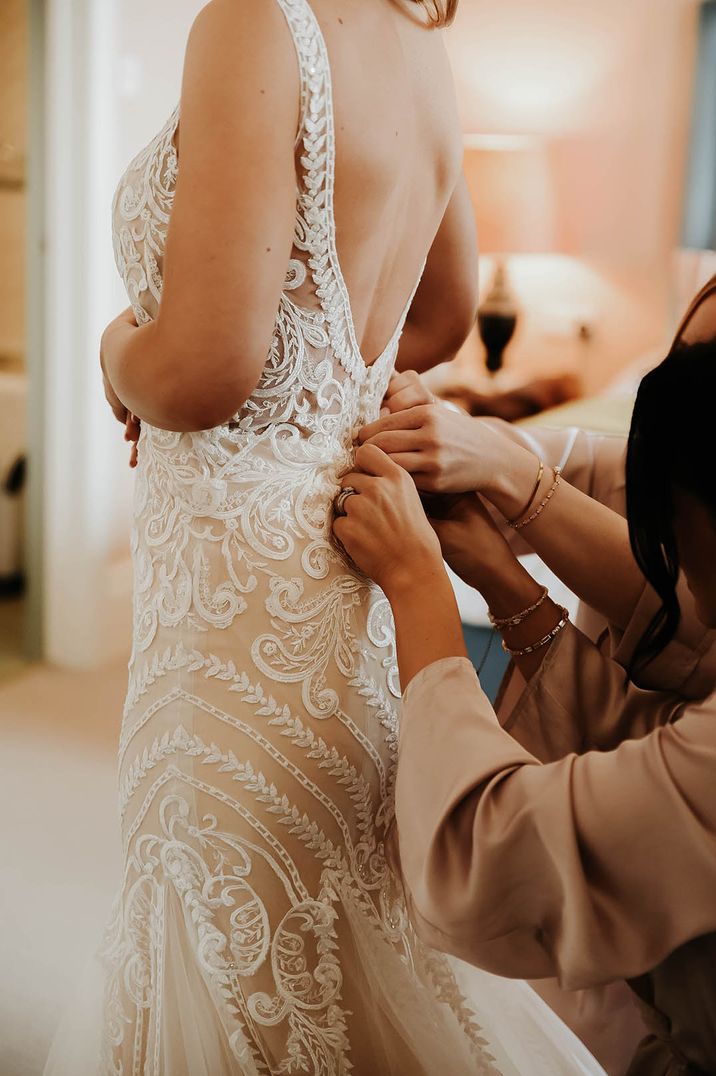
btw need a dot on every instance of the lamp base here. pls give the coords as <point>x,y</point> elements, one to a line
<point>496,331</point>
<point>497,319</point>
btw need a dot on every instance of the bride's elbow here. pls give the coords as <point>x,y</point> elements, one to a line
<point>192,417</point>
<point>201,395</point>
<point>194,407</point>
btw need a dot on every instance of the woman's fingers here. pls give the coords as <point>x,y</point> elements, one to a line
<point>132,428</point>
<point>392,441</point>
<point>412,419</point>
<point>357,480</point>
<point>374,462</point>
<point>384,525</point>
<point>410,396</point>
<point>407,385</point>
<point>132,431</point>
<point>415,464</point>
<point>400,380</point>
<point>405,391</point>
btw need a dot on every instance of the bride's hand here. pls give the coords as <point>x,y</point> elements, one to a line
<point>385,530</point>
<point>132,431</point>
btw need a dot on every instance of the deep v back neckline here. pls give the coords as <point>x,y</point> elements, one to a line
<point>358,365</point>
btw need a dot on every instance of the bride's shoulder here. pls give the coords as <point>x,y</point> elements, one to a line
<point>228,22</point>
<point>235,33</point>
<point>238,51</point>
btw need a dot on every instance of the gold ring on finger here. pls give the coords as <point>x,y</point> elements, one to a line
<point>340,502</point>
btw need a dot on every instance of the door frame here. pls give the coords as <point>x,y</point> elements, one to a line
<point>35,320</point>
<point>78,605</point>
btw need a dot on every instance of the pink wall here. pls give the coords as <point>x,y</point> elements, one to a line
<point>608,83</point>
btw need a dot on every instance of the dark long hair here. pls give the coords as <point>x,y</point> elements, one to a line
<point>671,443</point>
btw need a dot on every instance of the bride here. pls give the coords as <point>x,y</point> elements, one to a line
<point>284,223</point>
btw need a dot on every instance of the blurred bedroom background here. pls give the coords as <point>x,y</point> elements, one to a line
<point>590,148</point>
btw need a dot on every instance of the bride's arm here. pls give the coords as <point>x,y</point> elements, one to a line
<point>231,228</point>
<point>445,305</point>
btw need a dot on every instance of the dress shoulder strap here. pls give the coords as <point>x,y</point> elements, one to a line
<point>307,39</point>
<point>315,221</point>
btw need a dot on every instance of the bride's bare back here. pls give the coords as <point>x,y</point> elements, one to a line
<point>399,152</point>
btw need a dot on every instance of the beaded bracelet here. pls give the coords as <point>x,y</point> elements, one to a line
<point>514,621</point>
<point>543,504</point>
<point>542,642</point>
<point>533,494</point>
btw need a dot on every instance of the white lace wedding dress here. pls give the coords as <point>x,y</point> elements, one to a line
<point>257,929</point>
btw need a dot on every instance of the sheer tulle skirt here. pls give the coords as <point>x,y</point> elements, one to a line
<point>397,1027</point>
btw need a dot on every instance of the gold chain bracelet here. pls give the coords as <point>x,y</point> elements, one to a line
<point>542,642</point>
<point>514,621</point>
<point>543,504</point>
<point>533,494</point>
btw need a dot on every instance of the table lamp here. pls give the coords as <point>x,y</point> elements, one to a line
<point>513,195</point>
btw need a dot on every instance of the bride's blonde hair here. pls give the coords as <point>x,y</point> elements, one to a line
<point>440,12</point>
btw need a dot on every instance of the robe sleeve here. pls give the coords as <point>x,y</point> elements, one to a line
<point>686,665</point>
<point>581,700</point>
<point>590,868</point>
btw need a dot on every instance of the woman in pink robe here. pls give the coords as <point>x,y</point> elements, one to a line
<point>578,838</point>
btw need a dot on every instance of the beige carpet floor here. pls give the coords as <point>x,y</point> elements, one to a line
<point>59,837</point>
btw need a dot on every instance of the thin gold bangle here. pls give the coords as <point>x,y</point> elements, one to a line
<point>541,507</point>
<point>514,621</point>
<point>564,620</point>
<point>533,494</point>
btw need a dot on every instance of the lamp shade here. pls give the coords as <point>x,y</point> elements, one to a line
<point>513,193</point>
